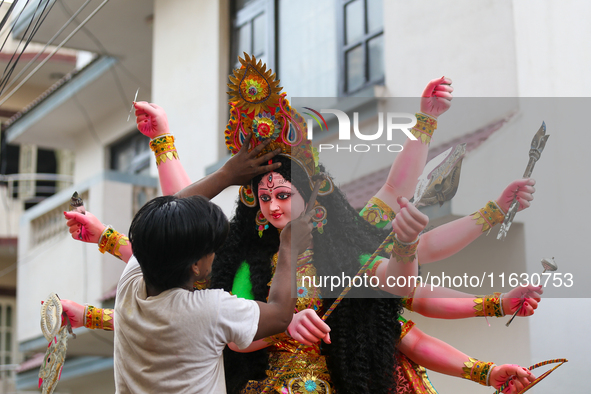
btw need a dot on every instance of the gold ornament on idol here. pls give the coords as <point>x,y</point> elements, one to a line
<point>489,216</point>
<point>259,108</point>
<point>424,128</point>
<point>163,148</point>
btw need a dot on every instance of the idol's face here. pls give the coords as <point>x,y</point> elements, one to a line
<point>279,200</point>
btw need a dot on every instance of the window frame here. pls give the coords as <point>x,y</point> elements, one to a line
<point>247,15</point>
<point>344,48</point>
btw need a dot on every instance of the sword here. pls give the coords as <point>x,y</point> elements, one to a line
<point>537,146</point>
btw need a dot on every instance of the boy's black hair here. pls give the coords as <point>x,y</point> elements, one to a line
<point>169,234</point>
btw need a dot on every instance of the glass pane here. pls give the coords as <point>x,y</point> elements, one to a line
<point>8,342</point>
<point>259,25</point>
<point>8,316</point>
<point>242,43</point>
<point>240,4</point>
<point>376,58</point>
<point>354,25</point>
<point>1,321</point>
<point>355,68</point>
<point>375,15</point>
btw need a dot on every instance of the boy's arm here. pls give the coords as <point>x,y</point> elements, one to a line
<point>276,314</point>
<point>238,170</point>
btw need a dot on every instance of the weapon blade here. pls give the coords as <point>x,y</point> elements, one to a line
<point>442,182</point>
<point>134,99</point>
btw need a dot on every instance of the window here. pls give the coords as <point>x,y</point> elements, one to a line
<point>361,39</point>
<point>131,155</point>
<point>7,339</point>
<point>253,31</point>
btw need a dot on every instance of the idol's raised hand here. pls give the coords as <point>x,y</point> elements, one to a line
<point>520,377</point>
<point>75,313</point>
<point>523,189</point>
<point>436,98</point>
<point>151,119</point>
<point>84,227</point>
<point>409,221</point>
<point>529,296</point>
<point>307,327</point>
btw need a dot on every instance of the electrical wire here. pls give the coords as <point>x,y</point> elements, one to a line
<point>8,12</point>
<point>51,40</point>
<point>104,51</point>
<point>92,14</point>
<point>36,27</point>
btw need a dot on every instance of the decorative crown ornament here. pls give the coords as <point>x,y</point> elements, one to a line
<point>258,107</point>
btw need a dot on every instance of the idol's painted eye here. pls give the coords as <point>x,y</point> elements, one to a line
<point>264,198</point>
<point>283,196</point>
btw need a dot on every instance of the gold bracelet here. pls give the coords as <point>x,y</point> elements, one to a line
<point>273,339</point>
<point>377,212</point>
<point>408,301</point>
<point>477,371</point>
<point>98,318</point>
<point>163,148</point>
<point>424,128</point>
<point>489,216</point>
<point>111,240</point>
<point>404,252</point>
<point>489,305</point>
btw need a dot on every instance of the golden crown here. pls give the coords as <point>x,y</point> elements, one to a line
<point>258,107</point>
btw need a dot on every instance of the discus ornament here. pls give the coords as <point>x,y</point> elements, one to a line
<point>537,146</point>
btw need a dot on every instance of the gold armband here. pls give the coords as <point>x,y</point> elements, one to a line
<point>377,213</point>
<point>424,128</point>
<point>111,240</point>
<point>408,301</point>
<point>404,252</point>
<point>477,371</point>
<point>273,339</point>
<point>489,216</point>
<point>489,305</point>
<point>163,148</point>
<point>98,318</point>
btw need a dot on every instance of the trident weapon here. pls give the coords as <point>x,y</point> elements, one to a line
<point>537,146</point>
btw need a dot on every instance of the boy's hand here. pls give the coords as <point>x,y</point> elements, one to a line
<point>84,227</point>
<point>302,226</point>
<point>298,233</point>
<point>245,165</point>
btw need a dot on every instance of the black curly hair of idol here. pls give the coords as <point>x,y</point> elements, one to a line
<point>364,331</point>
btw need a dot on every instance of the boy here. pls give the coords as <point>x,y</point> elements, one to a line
<point>168,337</point>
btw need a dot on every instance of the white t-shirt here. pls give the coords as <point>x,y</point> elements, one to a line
<point>173,342</point>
